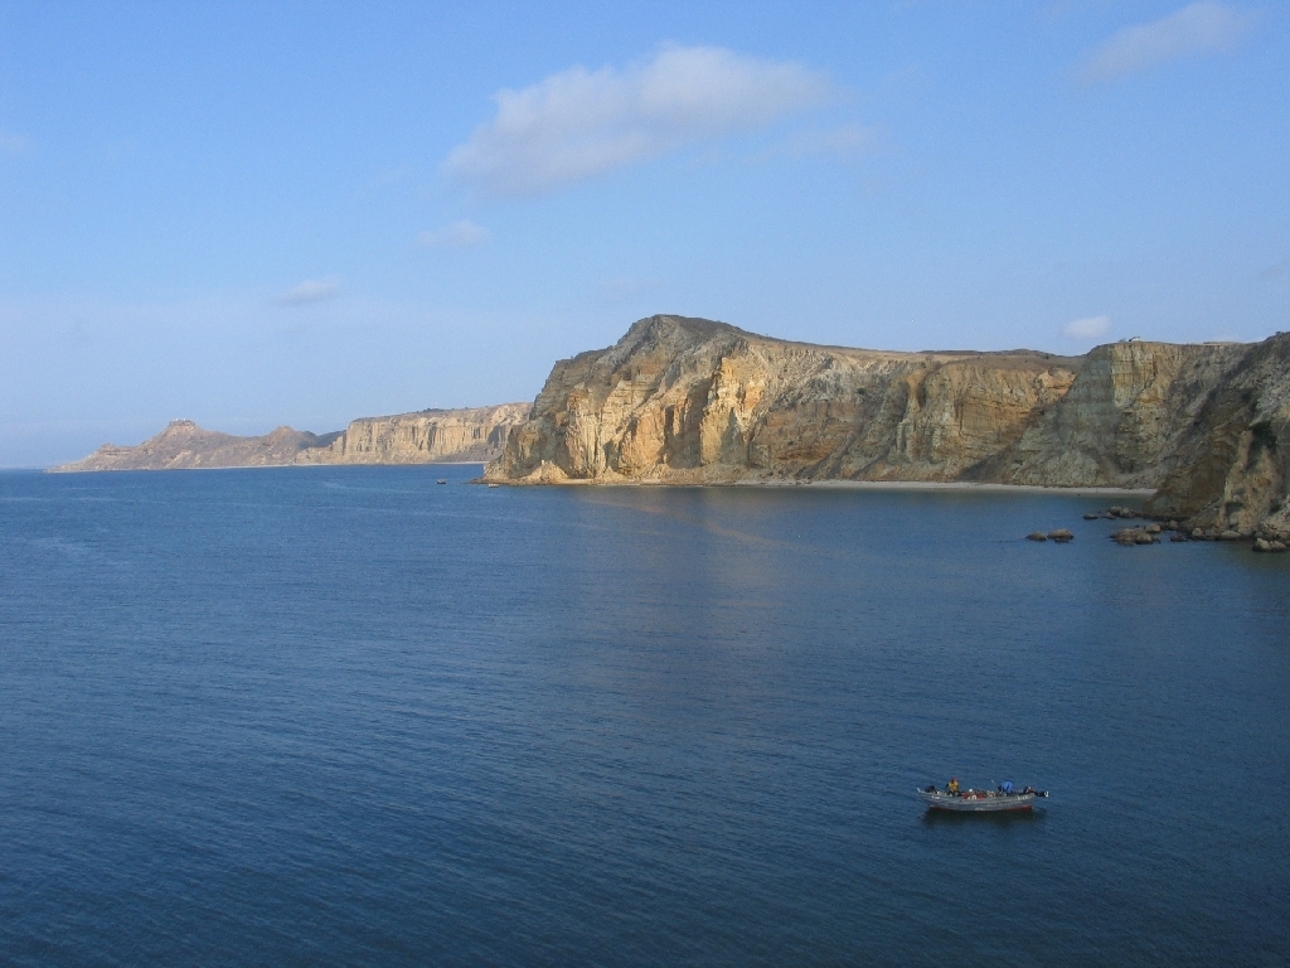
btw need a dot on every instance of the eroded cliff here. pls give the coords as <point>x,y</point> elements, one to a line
<point>1232,464</point>
<point>680,400</point>
<point>472,434</point>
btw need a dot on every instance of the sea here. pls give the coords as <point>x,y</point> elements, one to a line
<point>353,716</point>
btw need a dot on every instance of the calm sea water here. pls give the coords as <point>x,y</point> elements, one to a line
<point>329,716</point>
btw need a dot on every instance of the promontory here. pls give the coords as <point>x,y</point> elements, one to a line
<point>680,400</point>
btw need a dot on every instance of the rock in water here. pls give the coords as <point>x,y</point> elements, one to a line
<point>1061,535</point>
<point>1036,536</point>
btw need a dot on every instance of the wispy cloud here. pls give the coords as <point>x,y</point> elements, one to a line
<point>13,144</point>
<point>458,235</point>
<point>311,290</point>
<point>577,124</point>
<point>1198,28</point>
<point>1090,327</point>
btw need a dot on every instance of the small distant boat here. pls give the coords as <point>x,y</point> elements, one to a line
<point>441,481</point>
<point>980,801</point>
<point>492,485</point>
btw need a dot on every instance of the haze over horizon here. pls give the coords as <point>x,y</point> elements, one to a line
<point>309,213</point>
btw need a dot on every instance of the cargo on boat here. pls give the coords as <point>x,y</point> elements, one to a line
<point>980,801</point>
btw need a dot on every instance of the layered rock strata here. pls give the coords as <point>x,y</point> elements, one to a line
<point>681,400</point>
<point>1232,463</point>
<point>474,434</point>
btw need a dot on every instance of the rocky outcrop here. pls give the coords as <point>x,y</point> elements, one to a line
<point>427,436</point>
<point>1124,419</point>
<point>681,400</point>
<point>183,444</point>
<point>1232,465</point>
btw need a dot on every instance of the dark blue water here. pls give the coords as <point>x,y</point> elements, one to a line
<point>349,717</point>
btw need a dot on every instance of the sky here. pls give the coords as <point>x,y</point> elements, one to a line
<point>252,214</point>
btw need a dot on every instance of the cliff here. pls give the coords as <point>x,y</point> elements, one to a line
<point>475,434</point>
<point>681,400</point>
<point>1233,462</point>
<point>426,437</point>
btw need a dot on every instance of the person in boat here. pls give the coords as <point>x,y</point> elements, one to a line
<point>931,789</point>
<point>1006,788</point>
<point>952,788</point>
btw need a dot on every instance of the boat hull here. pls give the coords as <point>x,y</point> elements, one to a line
<point>972,802</point>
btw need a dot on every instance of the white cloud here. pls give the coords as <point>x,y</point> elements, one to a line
<point>311,290</point>
<point>1090,327</point>
<point>1195,29</point>
<point>458,235</point>
<point>578,124</point>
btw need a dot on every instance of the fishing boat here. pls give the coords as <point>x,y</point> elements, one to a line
<point>980,801</point>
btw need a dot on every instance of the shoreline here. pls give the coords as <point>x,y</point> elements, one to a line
<point>847,485</point>
<point>982,487</point>
<point>61,469</point>
<point>959,486</point>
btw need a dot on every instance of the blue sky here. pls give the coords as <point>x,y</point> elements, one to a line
<point>255,214</point>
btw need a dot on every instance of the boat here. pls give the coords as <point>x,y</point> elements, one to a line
<point>980,801</point>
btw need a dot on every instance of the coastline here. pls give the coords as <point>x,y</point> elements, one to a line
<point>986,487</point>
<point>960,486</point>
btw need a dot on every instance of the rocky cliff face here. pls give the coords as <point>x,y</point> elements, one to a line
<point>1232,464</point>
<point>681,400</point>
<point>475,434</point>
<point>1123,420</point>
<point>685,400</point>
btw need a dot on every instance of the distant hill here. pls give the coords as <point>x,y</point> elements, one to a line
<point>427,436</point>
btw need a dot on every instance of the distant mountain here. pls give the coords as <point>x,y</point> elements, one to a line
<point>475,434</point>
<point>183,444</point>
